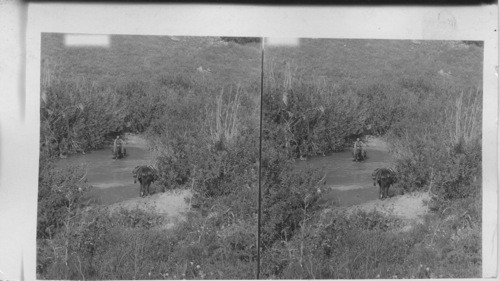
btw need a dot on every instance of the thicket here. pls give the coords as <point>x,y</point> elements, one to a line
<point>61,192</point>
<point>242,40</point>
<point>308,117</point>
<point>371,245</point>
<point>77,116</point>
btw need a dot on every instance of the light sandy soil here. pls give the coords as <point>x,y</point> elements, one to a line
<point>172,204</point>
<point>134,140</point>
<point>375,143</point>
<point>409,208</point>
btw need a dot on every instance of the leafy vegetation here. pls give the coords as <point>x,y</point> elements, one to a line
<point>196,101</point>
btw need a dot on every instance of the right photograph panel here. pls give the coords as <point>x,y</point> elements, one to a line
<point>371,159</point>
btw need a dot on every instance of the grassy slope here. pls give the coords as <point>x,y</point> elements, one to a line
<point>362,62</point>
<point>148,57</point>
<point>359,62</point>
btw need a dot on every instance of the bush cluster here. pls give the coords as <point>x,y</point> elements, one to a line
<point>242,40</point>
<point>439,144</point>
<point>308,118</point>
<point>61,192</point>
<point>371,245</point>
<point>77,116</point>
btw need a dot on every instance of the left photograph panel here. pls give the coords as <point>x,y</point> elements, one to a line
<point>149,151</point>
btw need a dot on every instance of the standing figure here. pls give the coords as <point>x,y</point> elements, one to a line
<point>358,152</point>
<point>118,148</point>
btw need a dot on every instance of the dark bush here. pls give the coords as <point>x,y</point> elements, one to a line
<point>61,193</point>
<point>309,119</point>
<point>242,40</point>
<point>77,117</point>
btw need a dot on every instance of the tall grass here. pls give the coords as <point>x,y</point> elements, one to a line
<point>467,117</point>
<point>223,122</point>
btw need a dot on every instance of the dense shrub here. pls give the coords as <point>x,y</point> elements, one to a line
<point>289,196</point>
<point>338,246</point>
<point>61,193</point>
<point>439,144</point>
<point>310,118</point>
<point>242,40</point>
<point>77,116</point>
<point>142,103</point>
<point>132,245</point>
<point>364,245</point>
<point>208,136</point>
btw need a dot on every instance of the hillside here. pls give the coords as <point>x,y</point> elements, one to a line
<point>357,62</point>
<point>362,62</point>
<point>148,58</point>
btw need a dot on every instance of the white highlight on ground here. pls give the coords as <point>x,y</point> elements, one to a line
<point>110,184</point>
<point>86,40</point>
<point>347,187</point>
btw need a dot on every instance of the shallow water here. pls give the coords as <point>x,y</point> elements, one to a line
<point>349,183</point>
<point>112,179</point>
